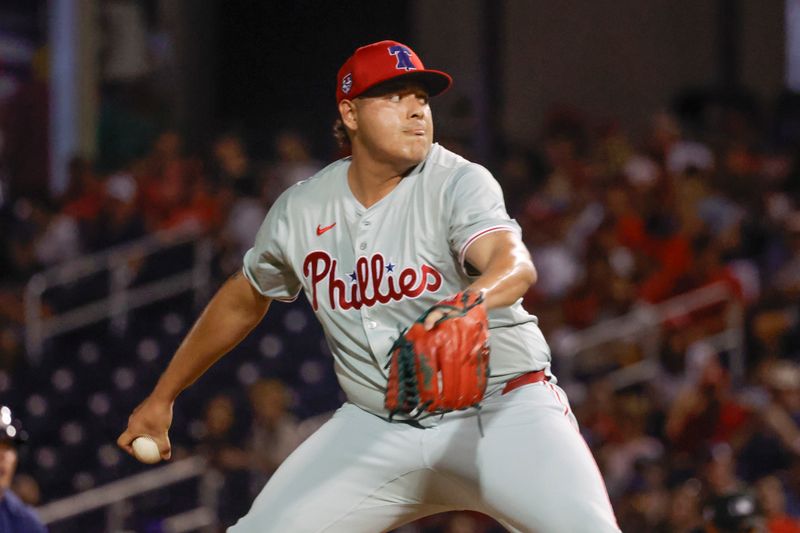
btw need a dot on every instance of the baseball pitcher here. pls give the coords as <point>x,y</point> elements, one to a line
<point>416,273</point>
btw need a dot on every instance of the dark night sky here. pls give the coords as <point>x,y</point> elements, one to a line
<point>277,61</point>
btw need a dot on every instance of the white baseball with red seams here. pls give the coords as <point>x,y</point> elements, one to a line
<point>145,450</point>
<point>367,273</point>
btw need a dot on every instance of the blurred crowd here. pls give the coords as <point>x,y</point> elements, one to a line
<point>616,224</point>
<point>225,196</point>
<point>708,193</point>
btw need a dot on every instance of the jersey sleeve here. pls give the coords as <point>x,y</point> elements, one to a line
<point>265,264</point>
<point>475,203</point>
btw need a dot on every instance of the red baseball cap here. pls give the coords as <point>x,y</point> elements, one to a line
<point>378,62</point>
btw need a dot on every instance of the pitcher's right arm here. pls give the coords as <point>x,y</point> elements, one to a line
<point>232,313</point>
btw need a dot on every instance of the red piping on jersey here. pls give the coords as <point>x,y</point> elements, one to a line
<point>558,397</point>
<point>253,284</point>
<point>481,233</point>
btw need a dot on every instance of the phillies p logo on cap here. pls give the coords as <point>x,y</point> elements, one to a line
<point>403,55</point>
<point>379,62</point>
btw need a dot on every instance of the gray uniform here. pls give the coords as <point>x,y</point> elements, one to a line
<point>368,272</point>
<point>409,246</point>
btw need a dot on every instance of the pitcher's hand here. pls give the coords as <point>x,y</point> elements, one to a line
<point>152,417</point>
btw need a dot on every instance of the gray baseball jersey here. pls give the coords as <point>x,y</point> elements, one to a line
<point>369,272</point>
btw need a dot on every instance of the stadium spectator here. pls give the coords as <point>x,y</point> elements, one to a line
<point>15,515</point>
<point>120,219</point>
<point>84,196</point>
<point>733,512</point>
<point>232,168</point>
<point>293,162</point>
<point>241,193</point>
<point>772,501</point>
<point>219,446</point>
<point>274,432</point>
<point>787,278</point>
<point>706,412</point>
<point>683,509</point>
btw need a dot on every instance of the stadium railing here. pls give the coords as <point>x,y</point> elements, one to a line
<point>643,330</point>
<point>117,266</point>
<point>114,498</point>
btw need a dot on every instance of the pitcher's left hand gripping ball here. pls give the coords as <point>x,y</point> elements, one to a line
<point>444,369</point>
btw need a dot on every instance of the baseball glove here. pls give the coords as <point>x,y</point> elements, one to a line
<point>444,369</point>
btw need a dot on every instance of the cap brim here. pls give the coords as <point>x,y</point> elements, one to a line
<point>435,81</point>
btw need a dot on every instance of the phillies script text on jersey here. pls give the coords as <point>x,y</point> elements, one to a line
<point>367,285</point>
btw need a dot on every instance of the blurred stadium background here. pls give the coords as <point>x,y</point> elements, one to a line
<point>648,149</point>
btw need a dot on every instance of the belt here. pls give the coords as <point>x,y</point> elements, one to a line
<point>525,379</point>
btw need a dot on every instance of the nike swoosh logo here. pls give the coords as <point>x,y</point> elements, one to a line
<point>321,230</point>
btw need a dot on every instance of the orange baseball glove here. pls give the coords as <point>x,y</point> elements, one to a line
<point>444,369</point>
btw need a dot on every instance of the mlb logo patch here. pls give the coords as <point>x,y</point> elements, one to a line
<point>347,83</point>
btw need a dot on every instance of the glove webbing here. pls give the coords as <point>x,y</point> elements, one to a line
<point>460,310</point>
<point>408,391</point>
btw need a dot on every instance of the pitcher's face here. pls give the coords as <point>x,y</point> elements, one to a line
<point>394,123</point>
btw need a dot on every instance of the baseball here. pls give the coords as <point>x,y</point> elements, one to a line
<point>146,450</point>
